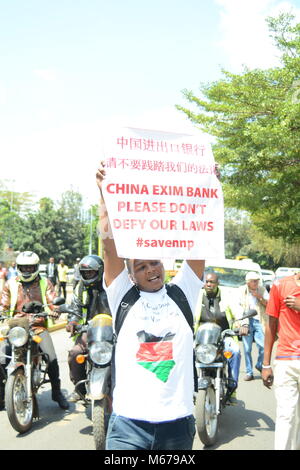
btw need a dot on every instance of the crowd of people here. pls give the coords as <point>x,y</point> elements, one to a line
<point>156,316</point>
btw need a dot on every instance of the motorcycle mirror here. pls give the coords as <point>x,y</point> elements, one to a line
<point>64,308</point>
<point>249,313</point>
<point>58,301</point>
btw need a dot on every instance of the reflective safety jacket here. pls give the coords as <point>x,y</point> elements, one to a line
<point>16,293</point>
<point>223,314</point>
<point>88,302</point>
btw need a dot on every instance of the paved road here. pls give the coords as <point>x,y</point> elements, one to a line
<point>249,425</point>
<point>246,426</point>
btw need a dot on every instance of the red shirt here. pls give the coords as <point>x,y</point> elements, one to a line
<point>288,318</point>
<point>3,273</point>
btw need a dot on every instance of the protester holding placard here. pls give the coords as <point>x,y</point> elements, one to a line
<point>154,381</point>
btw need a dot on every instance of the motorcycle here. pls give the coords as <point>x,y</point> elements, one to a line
<point>3,376</point>
<point>98,371</point>
<point>214,385</point>
<point>27,369</point>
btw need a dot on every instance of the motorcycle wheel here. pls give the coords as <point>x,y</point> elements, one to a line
<point>100,420</point>
<point>19,409</point>
<point>206,416</point>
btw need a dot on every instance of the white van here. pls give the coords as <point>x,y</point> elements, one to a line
<point>283,271</point>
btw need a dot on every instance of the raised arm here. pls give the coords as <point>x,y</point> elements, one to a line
<point>197,266</point>
<point>113,265</point>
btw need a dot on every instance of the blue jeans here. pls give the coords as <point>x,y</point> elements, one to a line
<point>131,434</point>
<point>255,334</point>
<point>234,361</point>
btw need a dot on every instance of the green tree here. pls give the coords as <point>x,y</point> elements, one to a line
<point>237,229</point>
<point>10,224</point>
<point>13,206</point>
<point>51,229</point>
<point>41,231</point>
<point>255,118</point>
<point>90,231</point>
<point>242,238</point>
<point>71,227</point>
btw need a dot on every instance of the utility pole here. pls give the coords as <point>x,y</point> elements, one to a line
<point>91,231</point>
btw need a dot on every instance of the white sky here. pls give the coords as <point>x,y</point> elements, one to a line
<point>70,68</point>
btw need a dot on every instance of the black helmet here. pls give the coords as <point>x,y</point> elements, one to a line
<point>91,269</point>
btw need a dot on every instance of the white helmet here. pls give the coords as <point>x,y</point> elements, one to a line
<point>28,266</point>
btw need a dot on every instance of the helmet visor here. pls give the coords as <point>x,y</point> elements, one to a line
<point>88,274</point>
<point>28,272</point>
<point>27,269</point>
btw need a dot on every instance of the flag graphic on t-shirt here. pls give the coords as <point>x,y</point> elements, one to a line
<point>156,354</point>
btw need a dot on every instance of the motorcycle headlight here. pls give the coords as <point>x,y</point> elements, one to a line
<point>18,336</point>
<point>206,353</point>
<point>100,353</point>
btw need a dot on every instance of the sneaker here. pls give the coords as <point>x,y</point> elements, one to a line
<point>248,378</point>
<point>74,397</point>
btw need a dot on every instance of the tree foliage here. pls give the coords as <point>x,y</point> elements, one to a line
<point>51,229</point>
<point>242,238</point>
<point>255,118</point>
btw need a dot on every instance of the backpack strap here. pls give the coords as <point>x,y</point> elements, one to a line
<point>131,297</point>
<point>180,299</point>
<point>127,302</point>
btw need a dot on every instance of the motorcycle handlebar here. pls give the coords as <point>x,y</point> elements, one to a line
<point>229,332</point>
<point>64,308</point>
<point>81,328</point>
<point>249,314</point>
<point>4,317</point>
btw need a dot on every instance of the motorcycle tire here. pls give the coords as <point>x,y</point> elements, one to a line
<point>206,416</point>
<point>19,410</point>
<point>100,414</point>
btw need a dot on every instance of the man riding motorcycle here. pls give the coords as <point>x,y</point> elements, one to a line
<point>211,308</point>
<point>89,300</point>
<point>20,295</point>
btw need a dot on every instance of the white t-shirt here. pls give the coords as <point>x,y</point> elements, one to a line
<point>253,301</point>
<point>154,352</point>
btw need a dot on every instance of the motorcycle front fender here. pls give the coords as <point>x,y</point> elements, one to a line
<point>98,386</point>
<point>204,383</point>
<point>12,366</point>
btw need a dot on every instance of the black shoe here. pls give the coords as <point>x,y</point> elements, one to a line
<point>258,368</point>
<point>60,399</point>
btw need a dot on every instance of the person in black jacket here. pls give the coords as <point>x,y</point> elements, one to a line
<point>51,271</point>
<point>89,299</point>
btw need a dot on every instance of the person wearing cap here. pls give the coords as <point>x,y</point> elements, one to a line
<point>253,295</point>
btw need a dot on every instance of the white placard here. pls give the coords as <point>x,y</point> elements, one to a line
<point>162,195</point>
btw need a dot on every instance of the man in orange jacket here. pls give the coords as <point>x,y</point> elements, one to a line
<point>26,288</point>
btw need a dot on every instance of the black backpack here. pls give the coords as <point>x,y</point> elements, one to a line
<point>131,297</point>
